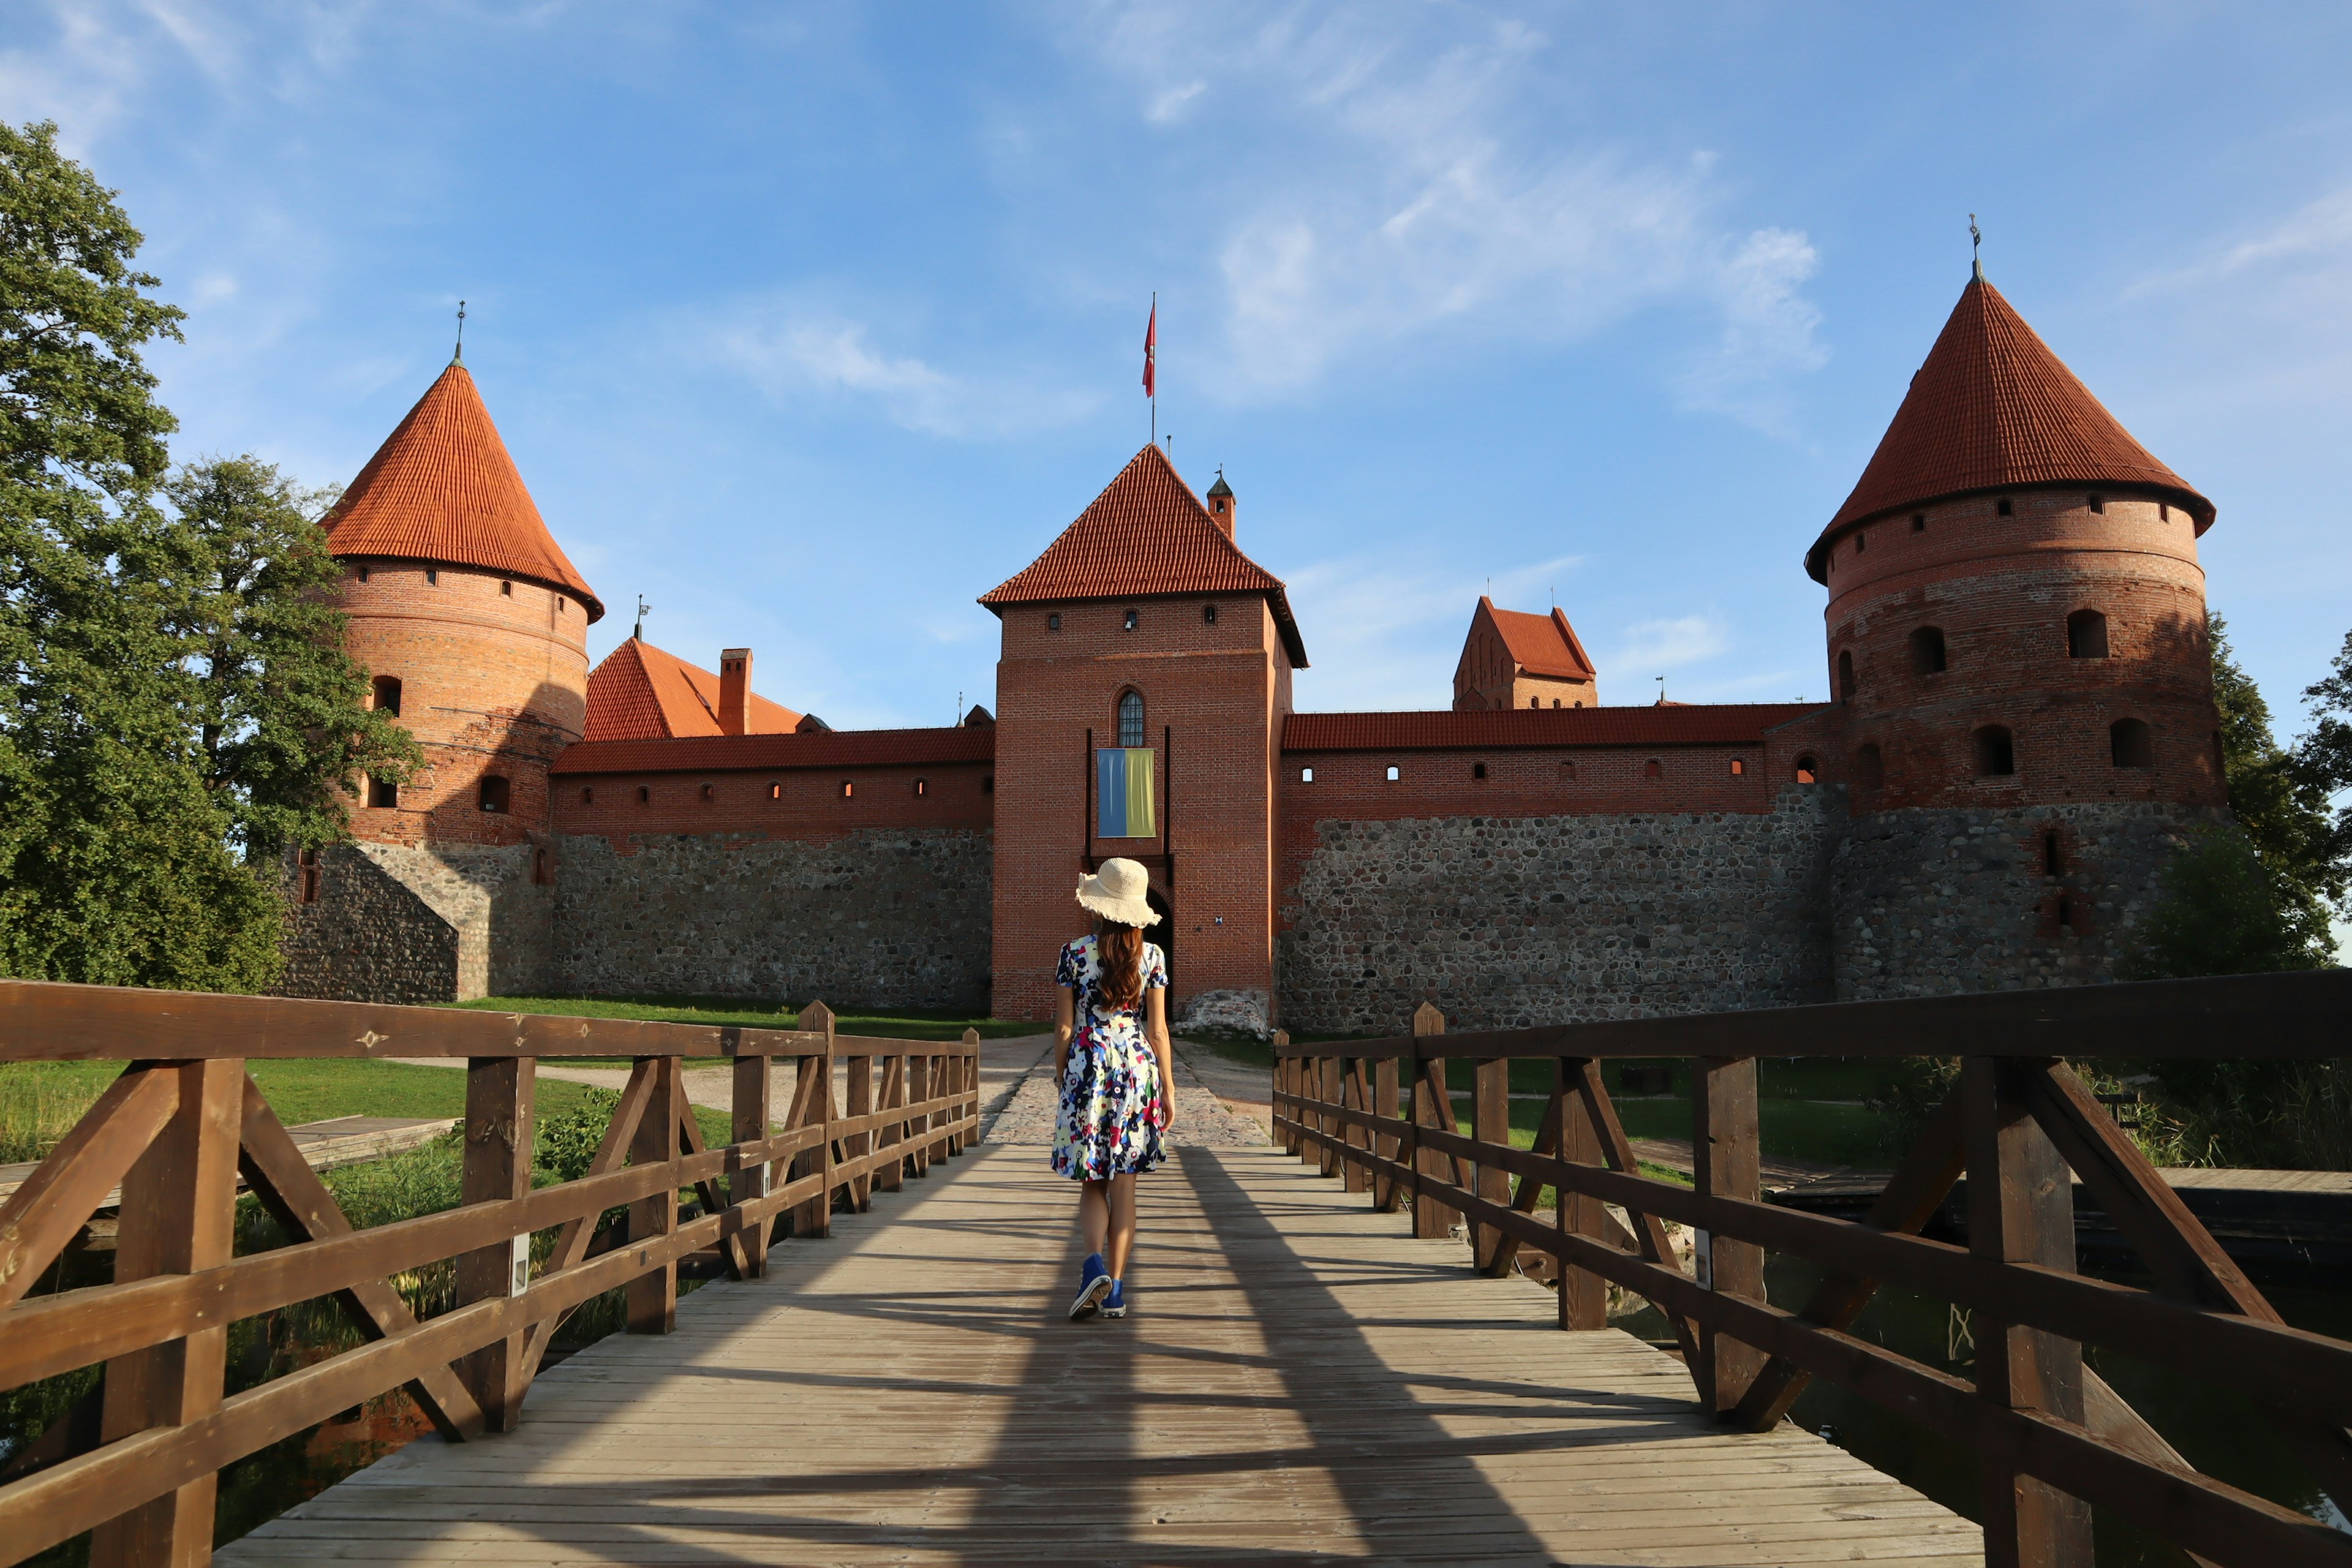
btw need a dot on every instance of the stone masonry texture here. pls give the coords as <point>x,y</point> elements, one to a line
<point>1513,921</point>
<point>894,916</point>
<point>1928,902</point>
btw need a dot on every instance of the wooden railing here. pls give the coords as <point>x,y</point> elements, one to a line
<point>183,1120</point>
<point>2052,1440</point>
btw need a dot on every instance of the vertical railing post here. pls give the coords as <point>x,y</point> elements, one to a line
<point>1583,1295</point>
<point>858,1101</point>
<point>653,1296</point>
<point>1490,1122</point>
<point>1356,1095</point>
<point>812,1106</point>
<point>1327,1089</point>
<point>919,1127</point>
<point>968,1089</point>
<point>2022,1210</point>
<point>1726,1161</point>
<point>179,1215</point>
<point>750,1116</point>
<point>1429,1216</point>
<point>1388,1145</point>
<point>499,1095</point>
<point>890,1174</point>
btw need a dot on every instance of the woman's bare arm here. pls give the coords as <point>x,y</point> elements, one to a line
<point>1156,1031</point>
<point>1065,1020</point>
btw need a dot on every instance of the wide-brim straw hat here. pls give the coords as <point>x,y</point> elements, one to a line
<point>1116,893</point>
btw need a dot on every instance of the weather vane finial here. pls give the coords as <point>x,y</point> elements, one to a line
<point>643,610</point>
<point>1975,247</point>
<point>461,333</point>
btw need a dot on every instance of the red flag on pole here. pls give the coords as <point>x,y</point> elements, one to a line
<point>1152,351</point>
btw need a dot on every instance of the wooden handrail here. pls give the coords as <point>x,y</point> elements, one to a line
<point>146,1491</point>
<point>2050,1439</point>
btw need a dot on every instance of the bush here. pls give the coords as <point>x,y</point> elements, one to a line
<point>566,1144</point>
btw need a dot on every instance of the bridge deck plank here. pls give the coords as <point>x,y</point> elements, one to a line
<point>1301,1383</point>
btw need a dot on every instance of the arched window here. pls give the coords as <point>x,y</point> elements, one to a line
<point>1131,717</point>
<point>1847,686</point>
<point>1869,767</point>
<point>2086,635</point>
<point>1927,650</point>
<point>775,790</point>
<point>1535,702</point>
<point>1995,752</point>
<point>1739,767</point>
<point>2132,743</point>
<point>386,688</point>
<point>1808,771</point>
<point>497,795</point>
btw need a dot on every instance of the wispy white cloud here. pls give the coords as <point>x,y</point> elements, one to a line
<point>1417,194</point>
<point>1386,632</point>
<point>1641,652</point>
<point>789,352</point>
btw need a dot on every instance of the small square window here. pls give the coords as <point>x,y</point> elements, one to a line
<point>1392,776</point>
<point>2004,506</point>
<point>1306,775</point>
<point>1477,770</point>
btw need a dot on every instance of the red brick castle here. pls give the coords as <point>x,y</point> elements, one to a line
<point>2022,730</point>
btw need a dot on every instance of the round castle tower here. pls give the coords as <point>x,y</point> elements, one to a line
<point>472,625</point>
<point>2017,646</point>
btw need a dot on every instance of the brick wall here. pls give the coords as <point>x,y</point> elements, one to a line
<point>397,923</point>
<point>1506,921</point>
<point>876,916</point>
<point>494,681</point>
<point>1932,901</point>
<point>1220,687</point>
<point>2000,589</point>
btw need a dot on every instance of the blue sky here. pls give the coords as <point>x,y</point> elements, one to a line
<point>811,324</point>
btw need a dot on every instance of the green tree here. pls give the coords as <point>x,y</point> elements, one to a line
<point>116,864</point>
<point>283,726</point>
<point>2224,911</point>
<point>2324,764</point>
<point>2279,797</point>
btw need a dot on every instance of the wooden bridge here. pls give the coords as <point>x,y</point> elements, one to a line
<point>1317,1370</point>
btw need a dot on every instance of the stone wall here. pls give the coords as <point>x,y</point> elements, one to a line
<point>893,917</point>
<point>1510,922</point>
<point>1929,902</point>
<point>396,923</point>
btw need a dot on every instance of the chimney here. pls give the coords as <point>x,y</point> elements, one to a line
<point>735,691</point>
<point>1220,503</point>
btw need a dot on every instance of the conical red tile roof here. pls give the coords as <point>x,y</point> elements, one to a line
<point>441,488</point>
<point>1146,534</point>
<point>1993,407</point>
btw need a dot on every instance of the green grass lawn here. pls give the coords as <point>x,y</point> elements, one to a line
<point>901,1024</point>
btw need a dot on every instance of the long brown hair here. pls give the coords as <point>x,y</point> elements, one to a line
<point>1118,953</point>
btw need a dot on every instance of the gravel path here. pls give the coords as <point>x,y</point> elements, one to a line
<point>1202,1119</point>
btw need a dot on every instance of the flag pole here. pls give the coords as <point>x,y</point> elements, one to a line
<point>1155,367</point>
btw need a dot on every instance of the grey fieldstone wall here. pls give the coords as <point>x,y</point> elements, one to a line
<point>891,917</point>
<point>1509,923</point>
<point>395,922</point>
<point>1929,902</point>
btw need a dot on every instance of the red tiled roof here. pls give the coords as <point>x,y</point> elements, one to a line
<point>821,749</point>
<point>1146,534</point>
<point>1540,645</point>
<point>1990,408</point>
<point>1693,724</point>
<point>441,488</point>
<point>642,693</point>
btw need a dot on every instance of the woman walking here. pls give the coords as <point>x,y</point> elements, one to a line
<point>1111,1058</point>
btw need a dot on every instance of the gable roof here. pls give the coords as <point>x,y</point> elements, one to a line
<point>1147,534</point>
<point>1990,408</point>
<point>1540,645</point>
<point>641,693</point>
<point>441,488</point>
<point>1677,724</point>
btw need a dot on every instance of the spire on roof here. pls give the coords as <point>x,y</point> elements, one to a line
<point>1992,408</point>
<point>441,488</point>
<point>459,351</point>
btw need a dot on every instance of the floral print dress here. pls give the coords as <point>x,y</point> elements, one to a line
<point>1110,1115</point>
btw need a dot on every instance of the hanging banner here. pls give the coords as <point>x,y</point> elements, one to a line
<point>1123,793</point>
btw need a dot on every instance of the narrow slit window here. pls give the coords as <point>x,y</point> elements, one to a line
<point>1847,686</point>
<point>922,786</point>
<point>507,589</point>
<point>542,871</point>
<point>847,789</point>
<point>1209,615</point>
<point>2049,862</point>
<point>644,795</point>
<point>988,783</point>
<point>775,791</point>
<point>1861,542</point>
<point>587,794</point>
<point>309,863</point>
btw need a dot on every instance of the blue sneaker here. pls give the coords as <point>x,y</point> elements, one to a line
<point>1116,1307</point>
<point>1094,1283</point>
